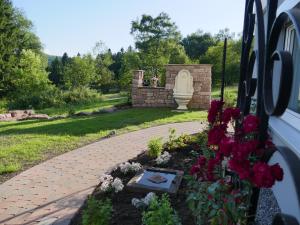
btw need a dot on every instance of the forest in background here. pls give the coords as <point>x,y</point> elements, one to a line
<point>31,79</point>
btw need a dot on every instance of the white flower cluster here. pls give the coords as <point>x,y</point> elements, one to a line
<point>107,182</point>
<point>130,167</point>
<point>163,158</point>
<point>143,202</point>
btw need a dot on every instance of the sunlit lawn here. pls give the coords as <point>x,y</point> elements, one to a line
<point>27,142</point>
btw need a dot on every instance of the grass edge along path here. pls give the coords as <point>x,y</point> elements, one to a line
<point>27,143</point>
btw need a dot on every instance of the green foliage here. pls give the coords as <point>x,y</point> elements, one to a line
<point>157,39</point>
<point>130,61</point>
<point>3,105</point>
<point>197,200</point>
<point>31,84</point>
<point>230,98</point>
<point>217,203</point>
<point>97,212</point>
<point>155,147</point>
<point>175,142</point>
<point>196,44</point>
<point>56,70</point>
<point>149,31</point>
<point>214,56</point>
<point>160,212</point>
<point>15,36</point>
<point>79,72</point>
<point>80,95</point>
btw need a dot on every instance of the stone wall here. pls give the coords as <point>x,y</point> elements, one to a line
<point>163,96</point>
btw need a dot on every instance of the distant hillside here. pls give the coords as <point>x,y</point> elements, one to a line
<point>51,58</point>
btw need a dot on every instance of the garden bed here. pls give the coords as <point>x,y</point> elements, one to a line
<point>124,213</point>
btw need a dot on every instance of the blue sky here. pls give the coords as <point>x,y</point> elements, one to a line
<point>74,26</point>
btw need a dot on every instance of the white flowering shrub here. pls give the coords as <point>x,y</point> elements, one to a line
<point>143,202</point>
<point>130,167</point>
<point>107,182</point>
<point>163,158</point>
<point>117,185</point>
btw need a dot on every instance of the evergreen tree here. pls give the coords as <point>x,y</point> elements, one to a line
<point>56,72</point>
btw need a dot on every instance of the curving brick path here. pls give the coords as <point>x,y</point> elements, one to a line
<point>53,191</point>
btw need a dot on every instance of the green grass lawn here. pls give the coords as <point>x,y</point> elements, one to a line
<point>26,143</point>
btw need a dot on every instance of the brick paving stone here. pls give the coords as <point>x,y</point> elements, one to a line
<point>53,191</point>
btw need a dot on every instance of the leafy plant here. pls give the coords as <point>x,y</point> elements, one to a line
<point>155,147</point>
<point>160,212</point>
<point>175,142</point>
<point>97,212</point>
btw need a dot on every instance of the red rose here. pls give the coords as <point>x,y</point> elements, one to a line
<point>216,134</point>
<point>235,113</point>
<point>262,175</point>
<point>201,161</point>
<point>241,168</point>
<point>226,116</point>
<point>215,108</point>
<point>250,123</point>
<point>195,169</point>
<point>277,172</point>
<point>240,151</point>
<point>225,146</point>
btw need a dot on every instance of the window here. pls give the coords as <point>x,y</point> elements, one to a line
<point>291,45</point>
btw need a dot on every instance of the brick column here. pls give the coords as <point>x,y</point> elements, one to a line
<point>137,81</point>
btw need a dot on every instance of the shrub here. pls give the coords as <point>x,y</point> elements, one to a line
<point>80,95</point>
<point>31,85</point>
<point>155,147</point>
<point>177,142</point>
<point>160,212</point>
<point>230,98</point>
<point>97,212</point>
<point>3,106</point>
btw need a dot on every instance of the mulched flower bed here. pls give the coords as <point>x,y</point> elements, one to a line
<point>124,213</point>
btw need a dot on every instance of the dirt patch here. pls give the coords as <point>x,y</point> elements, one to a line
<point>124,213</point>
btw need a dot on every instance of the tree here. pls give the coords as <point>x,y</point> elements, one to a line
<point>149,31</point>
<point>104,75</point>
<point>30,82</point>
<point>117,63</point>
<point>130,61</point>
<point>56,70</point>
<point>196,44</point>
<point>224,33</point>
<point>214,56</point>
<point>65,59</point>
<point>157,39</point>
<point>80,72</point>
<point>15,36</point>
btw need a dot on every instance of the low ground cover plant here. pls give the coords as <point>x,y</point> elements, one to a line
<point>98,212</point>
<point>160,212</point>
<point>155,147</point>
<point>176,142</point>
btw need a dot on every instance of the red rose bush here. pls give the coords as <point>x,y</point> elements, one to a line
<point>234,160</point>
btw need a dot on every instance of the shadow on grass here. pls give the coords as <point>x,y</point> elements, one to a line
<point>81,126</point>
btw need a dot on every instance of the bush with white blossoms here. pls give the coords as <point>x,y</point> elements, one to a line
<point>108,182</point>
<point>143,202</point>
<point>130,167</point>
<point>163,158</point>
<point>117,185</point>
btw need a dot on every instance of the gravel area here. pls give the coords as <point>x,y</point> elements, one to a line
<point>267,207</point>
